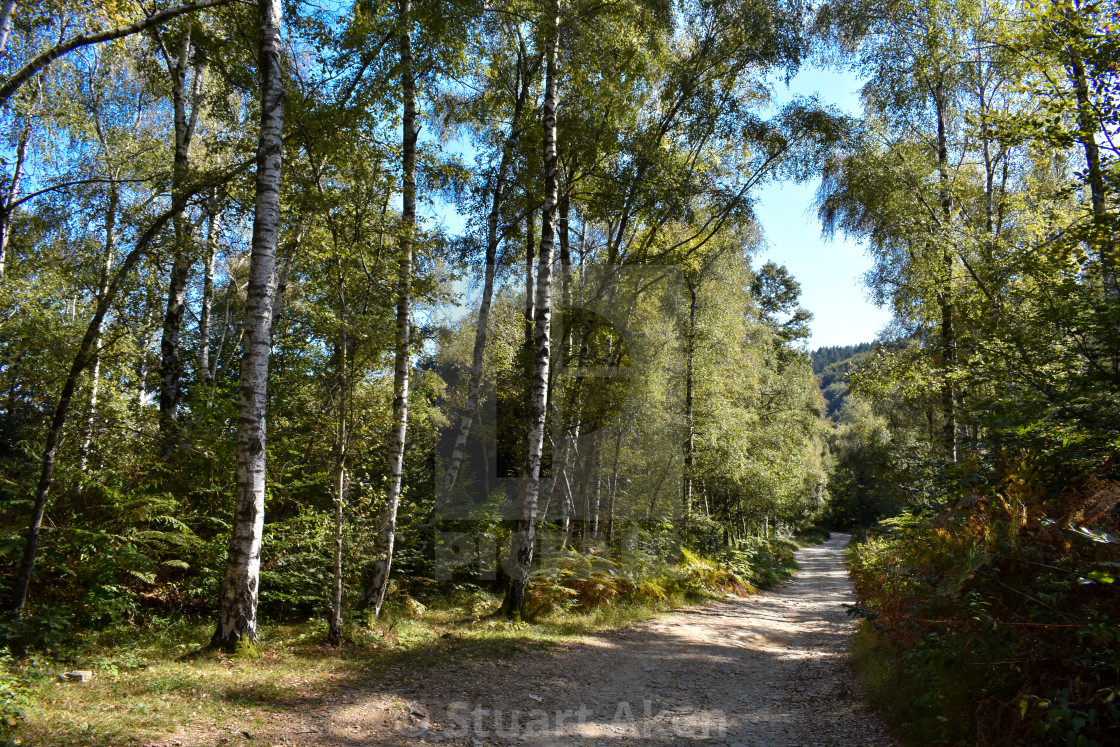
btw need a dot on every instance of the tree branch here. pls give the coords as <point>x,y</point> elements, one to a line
<point>21,76</point>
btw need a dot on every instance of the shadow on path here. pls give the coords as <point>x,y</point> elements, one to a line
<point>770,669</point>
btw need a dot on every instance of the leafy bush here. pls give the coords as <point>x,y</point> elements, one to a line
<point>643,572</point>
<point>13,690</point>
<point>996,619</point>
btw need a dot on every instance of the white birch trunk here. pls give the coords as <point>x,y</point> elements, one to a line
<point>524,537</point>
<point>9,205</point>
<point>204,323</point>
<point>283,278</point>
<point>237,612</point>
<point>613,495</point>
<point>945,294</point>
<point>379,578</point>
<point>690,353</point>
<point>102,289</point>
<point>216,358</point>
<point>334,632</point>
<point>493,239</point>
<point>530,253</point>
<point>6,12</point>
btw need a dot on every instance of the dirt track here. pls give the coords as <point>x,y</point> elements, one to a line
<point>770,669</point>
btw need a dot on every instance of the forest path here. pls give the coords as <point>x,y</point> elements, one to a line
<point>769,669</point>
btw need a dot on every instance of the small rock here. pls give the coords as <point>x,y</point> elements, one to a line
<point>78,675</point>
<point>536,697</point>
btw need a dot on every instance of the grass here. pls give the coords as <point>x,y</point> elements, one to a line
<point>901,690</point>
<point>150,682</point>
<point>158,679</point>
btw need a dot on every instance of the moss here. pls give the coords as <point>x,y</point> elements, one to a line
<point>246,649</point>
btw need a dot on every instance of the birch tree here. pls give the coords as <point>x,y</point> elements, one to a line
<point>378,582</point>
<point>524,536</point>
<point>186,99</point>
<point>525,71</point>
<point>237,610</point>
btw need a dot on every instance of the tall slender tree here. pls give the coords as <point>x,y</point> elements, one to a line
<point>378,582</point>
<point>494,235</point>
<point>237,610</point>
<point>524,537</point>
<point>186,99</point>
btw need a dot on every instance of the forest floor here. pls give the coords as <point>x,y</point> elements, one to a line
<point>769,669</point>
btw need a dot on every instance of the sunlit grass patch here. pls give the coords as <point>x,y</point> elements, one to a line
<point>156,679</point>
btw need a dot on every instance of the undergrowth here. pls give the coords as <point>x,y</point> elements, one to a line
<point>153,677</point>
<point>994,622</point>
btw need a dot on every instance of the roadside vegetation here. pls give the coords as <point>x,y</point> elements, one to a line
<point>249,385</point>
<point>980,438</point>
<point>152,679</point>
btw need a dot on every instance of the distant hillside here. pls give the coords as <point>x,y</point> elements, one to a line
<point>826,356</point>
<point>831,365</point>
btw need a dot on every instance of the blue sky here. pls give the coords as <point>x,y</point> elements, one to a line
<point>830,272</point>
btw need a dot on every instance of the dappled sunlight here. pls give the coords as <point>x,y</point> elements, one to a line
<point>769,669</point>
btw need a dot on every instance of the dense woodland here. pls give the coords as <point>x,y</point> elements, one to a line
<point>831,365</point>
<point>247,378</point>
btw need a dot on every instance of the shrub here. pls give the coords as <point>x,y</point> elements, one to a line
<point>1002,611</point>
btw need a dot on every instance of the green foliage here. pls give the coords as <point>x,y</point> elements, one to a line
<point>831,366</point>
<point>985,621</point>
<point>296,577</point>
<point>878,470</point>
<point>825,357</point>
<point>13,692</point>
<point>581,582</point>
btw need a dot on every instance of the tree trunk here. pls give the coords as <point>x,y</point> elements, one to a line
<point>690,354</point>
<point>334,634</point>
<point>283,278</point>
<point>569,431</point>
<point>525,528</point>
<point>596,475</point>
<point>582,505</point>
<point>205,374</point>
<point>948,343</point>
<point>9,205</point>
<point>986,141</point>
<point>237,612</point>
<point>6,11</point>
<point>170,368</point>
<point>613,499</point>
<point>560,463</point>
<point>569,437</point>
<point>530,253</point>
<point>379,578</point>
<point>216,358</point>
<point>1087,123</point>
<point>1087,127</point>
<point>102,289</point>
<point>493,239</point>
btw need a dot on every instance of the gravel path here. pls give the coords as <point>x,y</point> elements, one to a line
<point>770,669</point>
